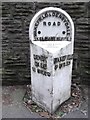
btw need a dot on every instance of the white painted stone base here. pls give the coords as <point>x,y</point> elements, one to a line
<point>54,87</point>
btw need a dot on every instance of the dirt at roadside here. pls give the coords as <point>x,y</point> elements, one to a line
<point>79,94</point>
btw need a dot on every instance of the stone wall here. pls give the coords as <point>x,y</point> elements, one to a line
<point>16,17</point>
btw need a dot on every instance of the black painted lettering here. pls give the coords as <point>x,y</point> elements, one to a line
<point>36,64</point>
<point>34,56</point>
<point>58,23</point>
<point>37,38</point>
<point>55,67</point>
<point>67,63</point>
<point>34,69</point>
<point>36,25</point>
<point>68,33</point>
<point>51,38</point>
<point>60,65</point>
<point>37,57</point>
<point>49,23</point>
<point>40,19</point>
<point>49,14</point>
<point>43,16</point>
<point>44,23</point>
<point>41,71</point>
<point>45,73</point>
<point>68,38</point>
<point>57,14</point>
<point>58,38</point>
<point>37,22</point>
<point>35,33</point>
<point>46,38</point>
<point>66,24</point>
<point>65,20</point>
<point>62,58</point>
<point>44,66</point>
<point>62,18</point>
<point>43,58</point>
<point>63,64</point>
<point>48,74</point>
<point>40,57</point>
<point>68,27</point>
<point>38,70</point>
<point>56,60</point>
<point>53,14</point>
<point>69,57</point>
<point>46,15</point>
<point>54,24</point>
<point>41,38</point>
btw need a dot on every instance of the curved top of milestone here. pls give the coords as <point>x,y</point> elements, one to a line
<point>51,24</point>
<point>51,27</point>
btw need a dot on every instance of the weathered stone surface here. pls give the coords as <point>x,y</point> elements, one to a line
<point>16,18</point>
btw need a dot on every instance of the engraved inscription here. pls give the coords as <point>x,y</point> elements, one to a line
<point>62,19</point>
<point>63,61</point>
<point>40,65</point>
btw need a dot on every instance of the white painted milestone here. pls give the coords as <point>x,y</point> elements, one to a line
<point>51,33</point>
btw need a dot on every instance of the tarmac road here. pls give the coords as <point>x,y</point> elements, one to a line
<point>13,106</point>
